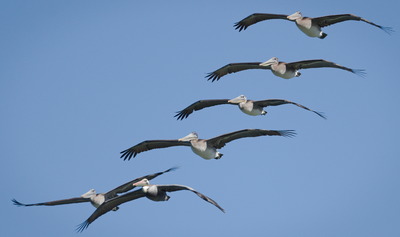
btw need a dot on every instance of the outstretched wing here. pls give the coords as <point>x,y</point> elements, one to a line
<point>149,145</point>
<point>333,19</point>
<point>201,104</point>
<point>53,203</point>
<point>109,205</point>
<point>275,102</point>
<point>232,68</point>
<point>220,141</point>
<point>257,17</point>
<point>129,185</point>
<point>177,187</point>
<point>318,63</point>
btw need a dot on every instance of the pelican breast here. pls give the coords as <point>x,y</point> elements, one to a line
<point>201,148</point>
<point>281,70</point>
<point>308,27</point>
<point>97,200</point>
<point>249,108</point>
<point>154,193</point>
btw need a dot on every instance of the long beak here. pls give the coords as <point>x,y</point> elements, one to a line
<point>267,63</point>
<point>294,16</point>
<point>187,138</point>
<point>236,100</point>
<point>141,183</point>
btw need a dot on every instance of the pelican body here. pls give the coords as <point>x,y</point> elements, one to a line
<point>279,69</point>
<point>250,107</point>
<point>312,27</point>
<point>96,199</point>
<point>205,148</point>
<point>153,192</point>
<point>201,148</point>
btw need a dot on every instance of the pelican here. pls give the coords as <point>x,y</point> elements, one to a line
<point>152,192</point>
<point>205,148</point>
<point>280,69</point>
<point>96,199</point>
<point>250,107</point>
<point>309,26</point>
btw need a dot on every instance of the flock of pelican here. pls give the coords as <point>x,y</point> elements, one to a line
<point>208,148</point>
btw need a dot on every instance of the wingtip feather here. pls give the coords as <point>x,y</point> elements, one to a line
<point>359,72</point>
<point>81,227</point>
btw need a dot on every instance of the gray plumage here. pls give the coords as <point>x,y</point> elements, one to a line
<point>152,192</point>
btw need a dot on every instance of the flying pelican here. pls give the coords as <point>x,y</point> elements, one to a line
<point>205,148</point>
<point>280,69</point>
<point>309,26</point>
<point>250,107</point>
<point>152,192</point>
<point>96,199</point>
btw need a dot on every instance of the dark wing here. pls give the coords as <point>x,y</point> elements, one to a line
<point>201,104</point>
<point>53,203</point>
<point>333,19</point>
<point>220,141</point>
<point>149,145</point>
<point>129,185</point>
<point>317,63</point>
<point>232,68</point>
<point>177,187</point>
<point>109,205</point>
<point>275,102</point>
<point>257,17</point>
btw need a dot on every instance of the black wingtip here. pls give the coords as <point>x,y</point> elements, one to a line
<point>180,115</point>
<point>81,227</point>
<point>321,114</point>
<point>359,72</point>
<point>288,133</point>
<point>172,169</point>
<point>239,26</point>
<point>16,203</point>
<point>388,30</point>
<point>127,154</point>
<point>212,76</point>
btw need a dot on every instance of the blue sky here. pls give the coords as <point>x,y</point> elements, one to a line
<point>83,80</point>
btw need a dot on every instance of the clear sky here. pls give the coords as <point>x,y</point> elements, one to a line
<point>81,81</point>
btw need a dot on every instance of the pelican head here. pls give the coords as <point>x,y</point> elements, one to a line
<point>271,61</point>
<point>89,193</point>
<point>189,137</point>
<point>295,16</point>
<point>142,183</point>
<point>238,100</point>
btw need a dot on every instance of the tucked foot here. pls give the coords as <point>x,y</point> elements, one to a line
<point>323,35</point>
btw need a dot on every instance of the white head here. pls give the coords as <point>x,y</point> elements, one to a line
<point>89,193</point>
<point>189,137</point>
<point>295,16</point>
<point>238,100</point>
<point>271,61</point>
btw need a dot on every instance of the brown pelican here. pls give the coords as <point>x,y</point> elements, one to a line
<point>205,148</point>
<point>96,199</point>
<point>152,192</point>
<point>280,69</point>
<point>250,107</point>
<point>309,26</point>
